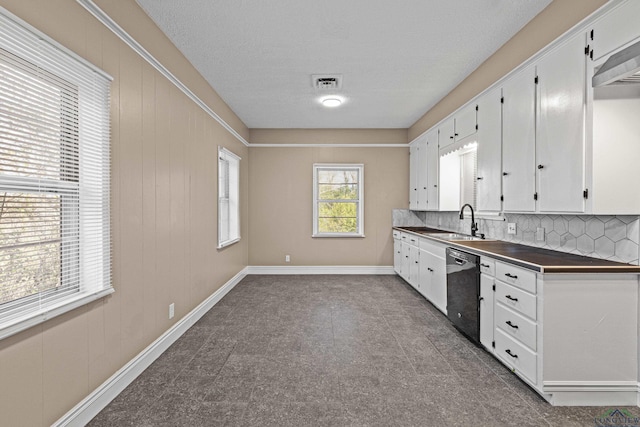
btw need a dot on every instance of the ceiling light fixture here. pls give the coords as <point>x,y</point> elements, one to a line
<point>331,102</point>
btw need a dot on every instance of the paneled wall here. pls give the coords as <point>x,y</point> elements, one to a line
<point>164,216</point>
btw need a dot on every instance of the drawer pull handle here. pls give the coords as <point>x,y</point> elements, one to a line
<point>512,276</point>
<point>430,269</point>
<point>484,265</point>
<point>511,298</point>
<point>508,322</point>
<point>416,262</point>
<point>508,351</point>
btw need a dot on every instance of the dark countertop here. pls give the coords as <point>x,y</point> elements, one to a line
<point>533,258</point>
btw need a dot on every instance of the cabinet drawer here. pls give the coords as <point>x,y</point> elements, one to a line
<point>435,248</point>
<point>396,234</point>
<point>516,355</point>
<point>524,330</point>
<point>516,276</point>
<point>488,266</point>
<point>516,299</point>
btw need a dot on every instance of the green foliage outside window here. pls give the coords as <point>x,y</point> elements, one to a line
<point>338,201</point>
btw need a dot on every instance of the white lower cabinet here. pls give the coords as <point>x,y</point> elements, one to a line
<point>487,285</point>
<point>572,336</point>
<point>397,252</point>
<point>558,331</point>
<point>516,356</point>
<point>421,262</point>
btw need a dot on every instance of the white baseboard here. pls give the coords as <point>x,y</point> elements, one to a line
<point>91,405</point>
<point>592,393</point>
<point>321,269</point>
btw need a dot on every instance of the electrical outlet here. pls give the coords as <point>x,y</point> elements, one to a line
<point>540,234</point>
<point>511,228</point>
<point>172,312</point>
<point>287,258</point>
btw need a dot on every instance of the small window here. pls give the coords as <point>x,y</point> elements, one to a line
<point>55,243</point>
<point>228,198</point>
<point>338,200</point>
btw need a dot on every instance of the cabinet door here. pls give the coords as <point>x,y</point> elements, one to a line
<point>404,265</point>
<point>560,134</point>
<point>489,188</point>
<point>518,142</point>
<point>397,256</point>
<point>413,177</point>
<point>432,170</point>
<point>486,311</point>
<point>423,178</point>
<point>466,122</point>
<point>414,267</point>
<point>438,285</point>
<point>615,29</point>
<point>424,278</point>
<point>446,131</point>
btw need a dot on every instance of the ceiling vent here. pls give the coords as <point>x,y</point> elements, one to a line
<point>327,81</point>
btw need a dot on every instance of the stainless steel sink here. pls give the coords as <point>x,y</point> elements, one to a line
<point>455,236</point>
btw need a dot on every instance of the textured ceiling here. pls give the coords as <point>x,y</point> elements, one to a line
<point>397,58</point>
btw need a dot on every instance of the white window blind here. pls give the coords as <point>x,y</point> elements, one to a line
<point>228,197</point>
<point>338,208</point>
<point>55,248</point>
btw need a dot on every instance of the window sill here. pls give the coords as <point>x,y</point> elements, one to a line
<point>333,235</point>
<point>19,324</point>
<point>227,243</point>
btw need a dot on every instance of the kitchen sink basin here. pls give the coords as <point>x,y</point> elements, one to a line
<point>455,236</point>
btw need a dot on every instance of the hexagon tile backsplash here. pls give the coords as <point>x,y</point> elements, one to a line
<point>609,237</point>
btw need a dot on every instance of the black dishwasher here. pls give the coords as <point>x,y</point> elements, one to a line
<point>463,292</point>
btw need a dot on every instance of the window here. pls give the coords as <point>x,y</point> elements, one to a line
<point>228,198</point>
<point>55,251</point>
<point>338,200</point>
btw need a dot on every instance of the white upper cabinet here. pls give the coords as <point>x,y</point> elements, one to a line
<point>422,174</point>
<point>463,124</point>
<point>413,176</point>
<point>418,175</point>
<point>518,141</point>
<point>466,122</point>
<point>613,113</point>
<point>432,170</point>
<point>614,30</point>
<point>447,132</point>
<point>489,180</point>
<point>560,132</point>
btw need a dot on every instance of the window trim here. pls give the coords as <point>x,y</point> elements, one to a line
<point>360,210</point>
<point>95,283</point>
<point>225,153</point>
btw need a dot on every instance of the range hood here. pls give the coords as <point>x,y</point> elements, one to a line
<point>621,68</point>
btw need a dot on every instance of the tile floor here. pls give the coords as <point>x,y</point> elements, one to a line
<point>334,351</point>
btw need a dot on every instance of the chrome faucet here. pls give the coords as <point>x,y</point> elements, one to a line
<point>474,226</point>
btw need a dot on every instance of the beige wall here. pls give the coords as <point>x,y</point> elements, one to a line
<point>280,196</point>
<point>164,212</point>
<point>552,22</point>
<point>328,136</point>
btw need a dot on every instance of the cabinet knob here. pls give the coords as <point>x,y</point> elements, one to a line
<point>540,167</point>
<point>435,185</point>
<point>455,134</point>
<point>479,178</point>
<point>505,173</point>
<point>451,137</point>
